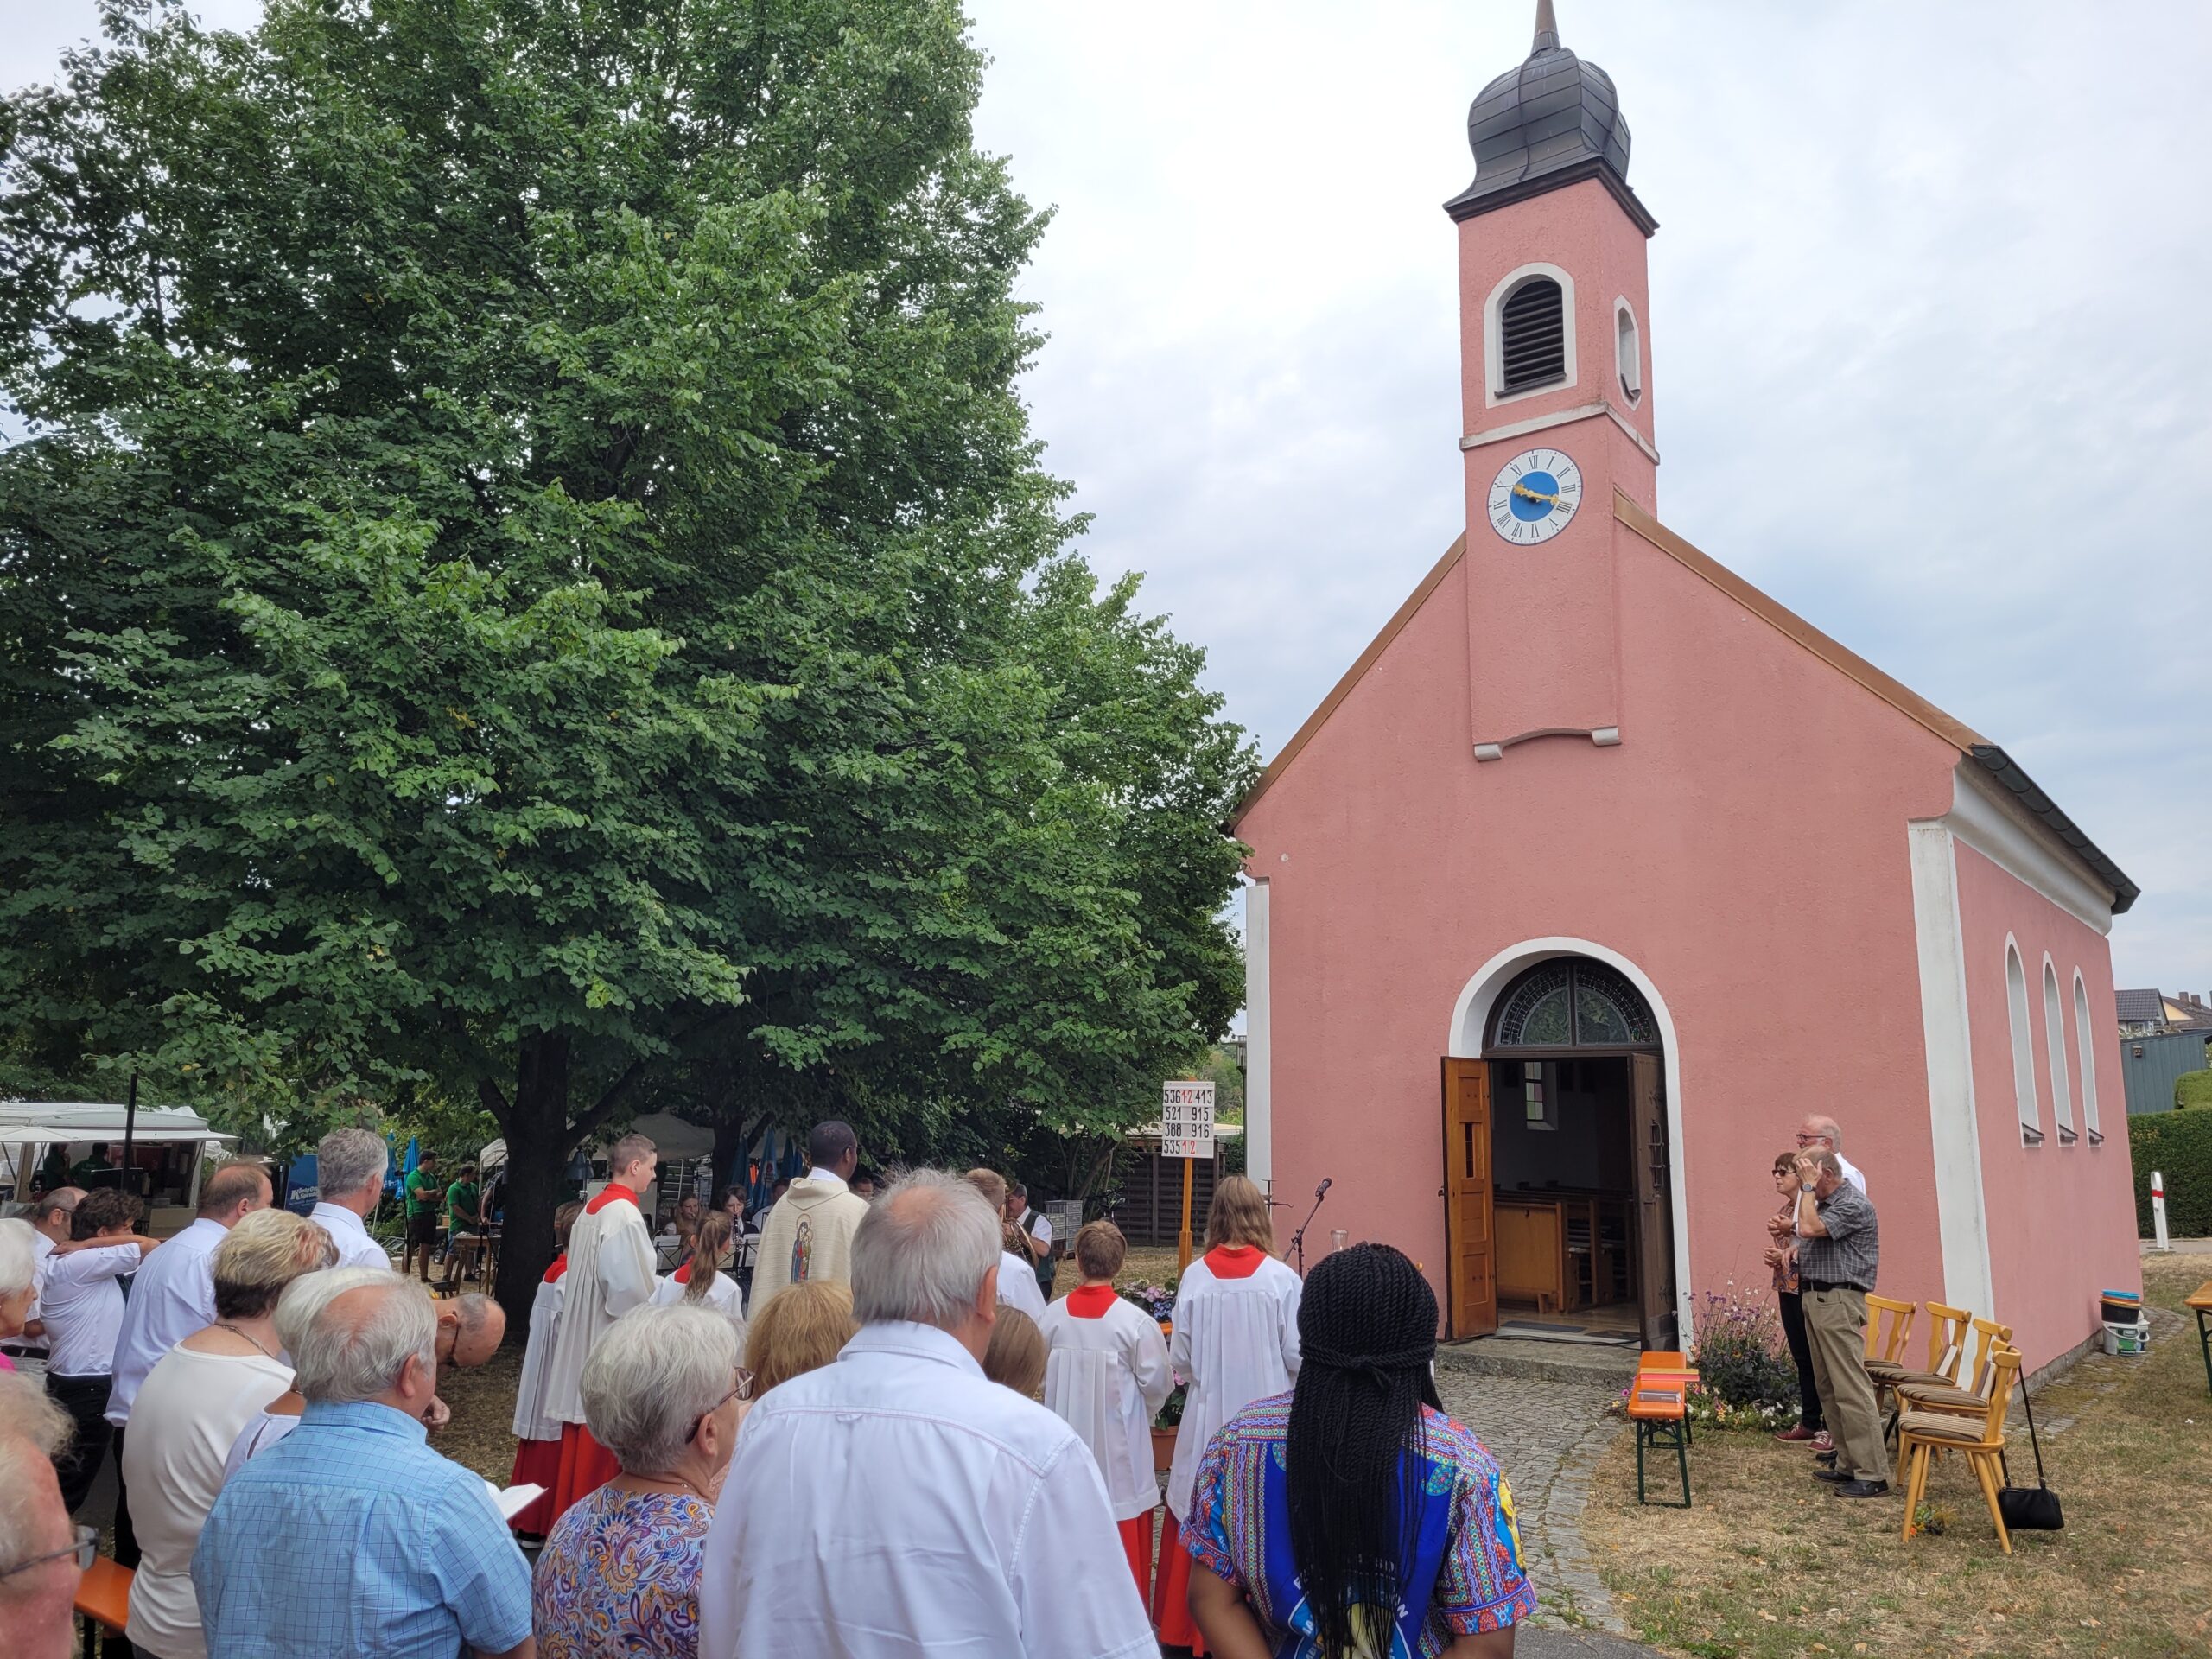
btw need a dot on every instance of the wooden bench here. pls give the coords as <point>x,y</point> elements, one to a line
<point>2199,1303</point>
<point>1658,1404</point>
<point>103,1600</point>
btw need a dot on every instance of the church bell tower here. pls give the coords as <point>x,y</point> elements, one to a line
<point>1556,390</point>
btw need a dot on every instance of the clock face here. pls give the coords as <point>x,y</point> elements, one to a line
<point>1534,496</point>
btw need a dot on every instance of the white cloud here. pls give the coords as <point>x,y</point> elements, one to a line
<point>1932,358</point>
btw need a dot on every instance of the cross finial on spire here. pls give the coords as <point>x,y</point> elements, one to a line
<point>1547,28</point>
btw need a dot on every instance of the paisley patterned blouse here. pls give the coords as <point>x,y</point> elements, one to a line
<point>620,1576</point>
<point>1466,1575</point>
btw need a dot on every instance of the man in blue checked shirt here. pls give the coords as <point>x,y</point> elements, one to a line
<point>350,1535</point>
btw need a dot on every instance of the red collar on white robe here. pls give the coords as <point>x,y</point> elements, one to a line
<point>553,1274</point>
<point>613,1192</point>
<point>1235,1260</point>
<point>1091,1301</point>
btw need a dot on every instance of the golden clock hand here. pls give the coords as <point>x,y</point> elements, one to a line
<point>1534,495</point>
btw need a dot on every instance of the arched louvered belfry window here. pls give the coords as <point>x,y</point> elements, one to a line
<point>1573,1002</point>
<point>1532,335</point>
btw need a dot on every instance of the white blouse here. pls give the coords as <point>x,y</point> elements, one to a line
<point>187,1415</point>
<point>1106,1377</point>
<point>82,1306</point>
<point>533,1421</point>
<point>1018,1286</point>
<point>1236,1341</point>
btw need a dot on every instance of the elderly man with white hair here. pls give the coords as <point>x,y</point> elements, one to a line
<point>42,1555</point>
<point>349,1171</point>
<point>898,1500</point>
<point>350,1534</point>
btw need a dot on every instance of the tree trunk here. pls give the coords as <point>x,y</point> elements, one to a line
<point>535,1124</point>
<point>733,1137</point>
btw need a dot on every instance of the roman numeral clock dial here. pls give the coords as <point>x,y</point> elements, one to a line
<point>1534,497</point>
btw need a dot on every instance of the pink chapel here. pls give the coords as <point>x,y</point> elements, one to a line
<point>1599,870</point>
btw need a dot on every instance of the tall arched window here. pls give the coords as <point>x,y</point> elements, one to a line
<point>1532,336</point>
<point>2024,1053</point>
<point>2054,1036</point>
<point>2085,1049</point>
<point>1628,352</point>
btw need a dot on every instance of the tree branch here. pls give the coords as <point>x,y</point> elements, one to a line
<point>493,1100</point>
<point>603,1108</point>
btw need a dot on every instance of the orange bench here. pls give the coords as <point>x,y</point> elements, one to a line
<point>104,1600</point>
<point>2199,1303</point>
<point>1658,1404</point>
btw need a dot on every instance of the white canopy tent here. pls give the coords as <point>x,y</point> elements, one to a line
<point>27,1128</point>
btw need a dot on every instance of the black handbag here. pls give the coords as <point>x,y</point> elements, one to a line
<point>2031,1509</point>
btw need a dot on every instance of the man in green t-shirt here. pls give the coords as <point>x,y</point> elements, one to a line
<point>464,1215</point>
<point>93,1165</point>
<point>423,1192</point>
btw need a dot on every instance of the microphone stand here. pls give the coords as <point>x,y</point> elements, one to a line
<point>1298,1238</point>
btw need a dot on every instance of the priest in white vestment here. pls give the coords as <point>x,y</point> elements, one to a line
<point>1236,1341</point>
<point>610,1272</point>
<point>809,1233</point>
<point>1106,1374</point>
<point>897,1501</point>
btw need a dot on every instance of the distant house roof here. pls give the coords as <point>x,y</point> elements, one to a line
<point>2141,1007</point>
<point>2002,768</point>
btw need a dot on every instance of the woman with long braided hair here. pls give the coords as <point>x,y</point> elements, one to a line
<point>1351,1518</point>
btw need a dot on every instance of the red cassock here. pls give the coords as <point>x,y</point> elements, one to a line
<point>1171,1604</point>
<point>585,1464</point>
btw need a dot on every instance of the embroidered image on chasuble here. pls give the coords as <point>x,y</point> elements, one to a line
<point>802,1249</point>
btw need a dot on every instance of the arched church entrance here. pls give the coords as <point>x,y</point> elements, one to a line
<point>1558,1202</point>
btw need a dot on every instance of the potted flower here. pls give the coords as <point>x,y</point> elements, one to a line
<point>1164,1427</point>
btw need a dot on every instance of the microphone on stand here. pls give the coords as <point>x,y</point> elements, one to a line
<point>1298,1238</point>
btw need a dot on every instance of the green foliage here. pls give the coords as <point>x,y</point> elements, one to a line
<point>529,582</point>
<point>2193,1089</point>
<point>2178,1145</point>
<point>1741,1358</point>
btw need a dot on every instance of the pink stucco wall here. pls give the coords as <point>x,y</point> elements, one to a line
<point>1745,847</point>
<point>2062,1219</point>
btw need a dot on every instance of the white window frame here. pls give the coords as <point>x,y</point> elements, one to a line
<point>2024,1048</point>
<point>1494,342</point>
<point>2054,1036</point>
<point>2086,1055</point>
<point>1628,372</point>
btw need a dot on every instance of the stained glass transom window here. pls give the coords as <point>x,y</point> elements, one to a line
<point>1574,1003</point>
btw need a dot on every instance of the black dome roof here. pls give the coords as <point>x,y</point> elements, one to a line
<point>1551,121</point>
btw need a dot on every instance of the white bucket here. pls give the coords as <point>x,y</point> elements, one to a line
<point>2128,1338</point>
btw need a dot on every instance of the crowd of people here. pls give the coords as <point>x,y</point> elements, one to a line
<point>1826,1249</point>
<point>899,1446</point>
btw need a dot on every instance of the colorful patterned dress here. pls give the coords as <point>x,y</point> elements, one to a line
<point>1466,1575</point>
<point>620,1576</point>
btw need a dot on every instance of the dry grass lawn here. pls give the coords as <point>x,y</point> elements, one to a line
<point>1767,1564</point>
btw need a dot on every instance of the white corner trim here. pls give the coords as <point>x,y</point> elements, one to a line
<point>1560,417</point>
<point>1493,344</point>
<point>1259,1032</point>
<point>1471,1019</point>
<point>1961,1213</point>
<point>2001,831</point>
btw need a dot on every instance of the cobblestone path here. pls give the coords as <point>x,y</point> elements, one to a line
<point>1545,1435</point>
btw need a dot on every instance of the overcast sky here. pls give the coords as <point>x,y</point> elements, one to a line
<point>1931,331</point>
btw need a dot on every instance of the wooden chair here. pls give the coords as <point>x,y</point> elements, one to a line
<point>103,1601</point>
<point>1967,1398</point>
<point>1921,1434</point>
<point>1658,1404</point>
<point>2199,1303</point>
<point>1889,1328</point>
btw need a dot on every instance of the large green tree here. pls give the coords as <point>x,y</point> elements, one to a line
<point>527,576</point>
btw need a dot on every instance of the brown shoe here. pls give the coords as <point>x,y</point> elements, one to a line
<point>1794,1436</point>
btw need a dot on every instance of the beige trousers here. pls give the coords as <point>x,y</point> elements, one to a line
<point>1835,1330</point>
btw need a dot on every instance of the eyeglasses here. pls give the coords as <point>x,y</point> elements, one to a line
<point>86,1547</point>
<point>742,1391</point>
<point>1802,1137</point>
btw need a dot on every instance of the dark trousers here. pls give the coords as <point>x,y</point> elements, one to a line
<point>126,1536</point>
<point>85,1398</point>
<point>1800,1354</point>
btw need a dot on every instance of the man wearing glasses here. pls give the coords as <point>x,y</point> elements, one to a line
<point>41,1556</point>
<point>1818,1133</point>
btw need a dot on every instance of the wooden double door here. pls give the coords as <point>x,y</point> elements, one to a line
<point>1470,1211</point>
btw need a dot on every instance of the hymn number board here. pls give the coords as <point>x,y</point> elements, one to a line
<point>1186,1120</point>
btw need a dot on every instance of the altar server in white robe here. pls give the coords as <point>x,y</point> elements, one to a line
<point>610,1272</point>
<point>1235,1340</point>
<point>705,1280</point>
<point>1106,1372</point>
<point>537,1432</point>
<point>897,1501</point>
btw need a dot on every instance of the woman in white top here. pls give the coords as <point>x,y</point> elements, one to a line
<point>190,1409</point>
<point>701,1281</point>
<point>1236,1341</point>
<point>1106,1373</point>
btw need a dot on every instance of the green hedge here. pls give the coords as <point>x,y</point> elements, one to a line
<point>2179,1145</point>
